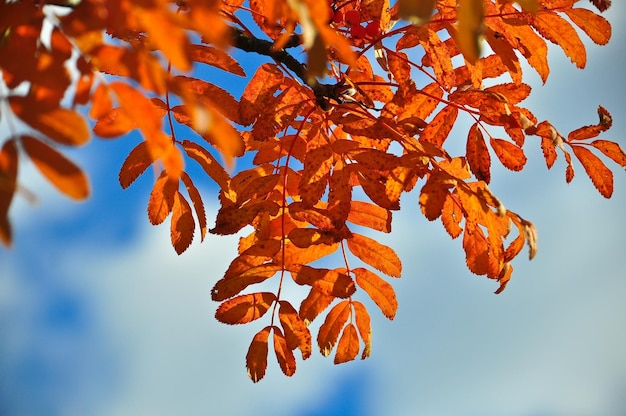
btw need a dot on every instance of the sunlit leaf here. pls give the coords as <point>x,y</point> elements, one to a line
<point>379,291</point>
<point>284,354</point>
<point>60,171</point>
<point>375,254</point>
<point>332,326</point>
<point>256,358</point>
<point>245,308</point>
<point>348,346</point>
<point>182,225</point>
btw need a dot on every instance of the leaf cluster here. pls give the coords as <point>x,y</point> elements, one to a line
<point>334,140</point>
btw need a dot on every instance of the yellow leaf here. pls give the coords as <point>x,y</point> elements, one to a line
<point>61,172</point>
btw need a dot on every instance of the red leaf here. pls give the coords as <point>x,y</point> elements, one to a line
<point>8,183</point>
<point>245,308</point>
<point>256,358</point>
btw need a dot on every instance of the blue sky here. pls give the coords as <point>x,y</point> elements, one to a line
<point>99,316</point>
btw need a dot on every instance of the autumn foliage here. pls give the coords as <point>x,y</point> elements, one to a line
<point>335,135</point>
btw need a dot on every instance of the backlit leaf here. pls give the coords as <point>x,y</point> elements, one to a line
<point>245,308</point>
<point>381,292</point>
<point>451,217</point>
<point>478,155</point>
<point>162,197</point>
<point>595,26</point>
<point>557,30</point>
<point>438,130</point>
<point>215,57</point>
<point>256,358</point>
<point>60,171</point>
<point>600,175</point>
<point>135,164</point>
<point>469,29</point>
<point>59,124</point>
<point>612,150</point>
<point>370,215</point>
<point>511,155</point>
<point>8,184</point>
<point>332,326</point>
<point>375,254</point>
<point>297,333</point>
<point>416,11</point>
<point>314,304</point>
<point>210,165</point>
<point>330,282</point>
<point>284,354</point>
<point>362,318</point>
<point>348,346</point>
<point>232,284</point>
<point>182,225</point>
<point>198,205</point>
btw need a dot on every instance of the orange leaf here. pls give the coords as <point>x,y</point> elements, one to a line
<point>256,358</point>
<point>297,333</point>
<point>162,197</point>
<point>231,219</point>
<point>416,11</point>
<point>433,196</point>
<point>59,124</point>
<point>370,215</point>
<point>612,150</point>
<point>206,92</point>
<point>470,15</point>
<point>595,26</point>
<point>600,175</point>
<point>313,305</point>
<point>314,180</point>
<point>8,181</point>
<point>504,277</point>
<point>451,217</point>
<point>381,292</point>
<point>296,255</point>
<point>198,205</point>
<point>364,327</point>
<point>231,284</point>
<point>245,308</point>
<point>330,282</point>
<point>100,102</point>
<point>182,225</point>
<point>438,130</point>
<point>284,355</point>
<point>135,164</point>
<point>375,254</point>
<point>306,237</point>
<point>261,87</point>
<point>114,123</point>
<point>476,250</point>
<point>478,155</point>
<point>215,57</point>
<point>348,346</point>
<point>399,66</point>
<point>332,326</point>
<point>511,155</point>
<point>439,55</point>
<point>210,165</point>
<point>557,30</point>
<point>61,172</point>
<point>339,196</point>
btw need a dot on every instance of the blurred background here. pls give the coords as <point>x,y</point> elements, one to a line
<point>99,316</point>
